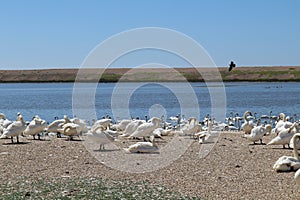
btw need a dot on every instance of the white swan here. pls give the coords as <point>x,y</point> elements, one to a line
<point>143,147</point>
<point>131,127</point>
<point>146,129</point>
<point>101,122</point>
<point>56,125</point>
<point>14,130</point>
<point>289,163</point>
<point>101,137</point>
<point>281,124</point>
<point>204,135</point>
<point>159,132</point>
<point>121,126</point>
<point>297,177</point>
<point>71,129</point>
<point>36,126</point>
<point>192,127</point>
<point>81,123</point>
<point>248,125</point>
<point>258,132</point>
<point>284,136</point>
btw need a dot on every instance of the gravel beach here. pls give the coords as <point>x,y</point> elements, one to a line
<point>234,169</point>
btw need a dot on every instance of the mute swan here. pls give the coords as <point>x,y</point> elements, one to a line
<point>281,124</point>
<point>14,130</point>
<point>258,132</point>
<point>131,127</point>
<point>204,135</point>
<point>146,129</point>
<point>103,122</point>
<point>159,132</point>
<point>248,125</point>
<point>297,177</point>
<point>2,116</point>
<point>284,136</point>
<point>121,126</point>
<point>289,163</point>
<point>101,137</point>
<point>143,147</point>
<point>81,123</point>
<point>5,123</point>
<point>36,126</point>
<point>191,127</point>
<point>71,129</point>
<point>56,125</point>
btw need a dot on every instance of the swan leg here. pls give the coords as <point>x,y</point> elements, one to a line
<point>39,137</point>
<point>261,142</point>
<point>34,137</point>
<point>12,140</point>
<point>283,146</point>
<point>18,139</point>
<point>58,135</point>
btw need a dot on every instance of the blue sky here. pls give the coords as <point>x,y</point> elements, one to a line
<point>61,33</point>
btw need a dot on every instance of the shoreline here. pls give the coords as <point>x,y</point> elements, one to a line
<point>239,74</point>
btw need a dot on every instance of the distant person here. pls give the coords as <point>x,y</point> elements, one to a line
<point>231,66</point>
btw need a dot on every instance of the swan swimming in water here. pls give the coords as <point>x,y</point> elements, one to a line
<point>289,163</point>
<point>143,147</point>
<point>15,129</point>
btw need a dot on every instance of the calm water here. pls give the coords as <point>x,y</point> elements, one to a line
<point>55,99</point>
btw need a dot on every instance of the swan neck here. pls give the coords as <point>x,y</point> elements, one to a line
<point>296,155</point>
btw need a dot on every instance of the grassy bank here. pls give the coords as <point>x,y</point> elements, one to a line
<point>287,73</point>
<point>92,188</point>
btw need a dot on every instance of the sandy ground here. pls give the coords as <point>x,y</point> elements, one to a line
<point>234,169</point>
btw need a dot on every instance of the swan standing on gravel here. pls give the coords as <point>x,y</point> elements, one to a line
<point>71,129</point>
<point>143,147</point>
<point>289,163</point>
<point>258,132</point>
<point>15,129</point>
<point>35,127</point>
<point>81,123</point>
<point>192,127</point>
<point>121,126</point>
<point>146,129</point>
<point>131,127</point>
<point>281,124</point>
<point>248,125</point>
<point>297,177</point>
<point>284,136</point>
<point>204,135</point>
<point>56,125</point>
<point>101,122</point>
<point>101,137</point>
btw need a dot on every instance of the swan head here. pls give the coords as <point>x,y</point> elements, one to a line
<point>282,116</point>
<point>246,114</point>
<point>101,128</point>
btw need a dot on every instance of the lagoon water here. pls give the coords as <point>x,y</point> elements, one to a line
<point>55,99</point>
